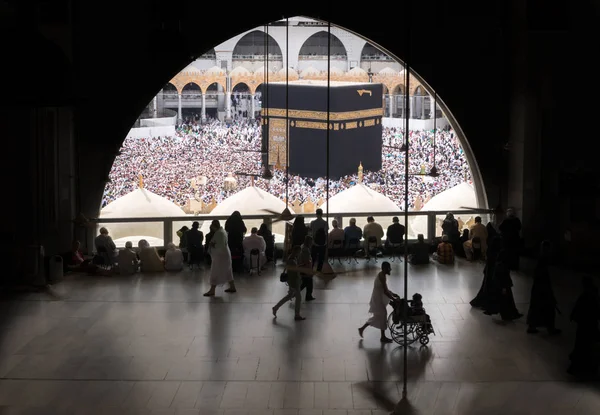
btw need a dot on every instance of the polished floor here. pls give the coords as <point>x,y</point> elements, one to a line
<point>152,344</point>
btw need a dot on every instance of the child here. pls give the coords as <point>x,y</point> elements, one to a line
<point>417,309</point>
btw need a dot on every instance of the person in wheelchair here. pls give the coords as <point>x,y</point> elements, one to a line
<point>416,309</point>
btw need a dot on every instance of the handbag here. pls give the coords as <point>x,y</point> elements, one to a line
<point>283,277</point>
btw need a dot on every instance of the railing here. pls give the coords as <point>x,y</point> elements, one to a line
<point>164,229</point>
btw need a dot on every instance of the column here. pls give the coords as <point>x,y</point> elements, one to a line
<point>252,106</point>
<point>228,105</point>
<point>412,106</point>
<point>179,117</point>
<point>432,106</point>
<point>155,104</point>
<point>422,98</point>
<point>392,107</point>
<point>203,106</point>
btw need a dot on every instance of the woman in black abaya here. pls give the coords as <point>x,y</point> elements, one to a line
<point>483,296</point>
<point>501,299</point>
<point>542,304</point>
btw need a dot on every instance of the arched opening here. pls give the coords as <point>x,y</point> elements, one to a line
<point>440,146</point>
<point>251,51</point>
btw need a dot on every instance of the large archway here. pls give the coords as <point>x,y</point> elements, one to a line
<point>305,187</point>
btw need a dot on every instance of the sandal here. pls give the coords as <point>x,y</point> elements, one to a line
<point>230,290</point>
<point>209,294</point>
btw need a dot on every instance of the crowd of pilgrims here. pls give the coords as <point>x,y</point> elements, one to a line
<point>215,149</point>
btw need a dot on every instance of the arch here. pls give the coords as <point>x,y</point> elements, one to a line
<point>191,87</point>
<point>397,89</point>
<point>209,54</point>
<point>241,87</point>
<point>390,79</point>
<point>419,91</point>
<point>370,52</point>
<point>253,44</point>
<point>318,45</point>
<point>169,87</point>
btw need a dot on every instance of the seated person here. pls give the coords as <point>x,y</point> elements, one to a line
<point>336,234</point>
<point>419,251</point>
<point>128,260</point>
<point>372,229</point>
<point>75,262</point>
<point>267,235</point>
<point>173,258</point>
<point>417,309</point>
<point>254,241</point>
<point>352,233</point>
<point>444,253</point>
<point>478,230</point>
<point>104,242</point>
<point>395,233</point>
<point>149,258</point>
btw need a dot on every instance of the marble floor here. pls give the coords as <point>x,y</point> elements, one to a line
<point>152,344</point>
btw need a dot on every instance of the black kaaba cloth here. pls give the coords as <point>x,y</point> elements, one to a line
<point>354,119</point>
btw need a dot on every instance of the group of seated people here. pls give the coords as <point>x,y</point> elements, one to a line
<point>108,259</point>
<point>372,235</point>
<point>472,244</point>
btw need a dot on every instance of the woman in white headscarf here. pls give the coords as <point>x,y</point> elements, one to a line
<point>220,268</point>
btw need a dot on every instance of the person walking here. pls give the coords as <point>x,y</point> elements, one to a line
<point>305,261</point>
<point>294,281</point>
<point>378,305</point>
<point>220,268</point>
<point>502,300</point>
<point>542,303</point>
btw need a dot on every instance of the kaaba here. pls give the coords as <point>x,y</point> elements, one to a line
<point>351,126</point>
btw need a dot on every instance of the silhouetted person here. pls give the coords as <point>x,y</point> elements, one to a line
<point>299,231</point>
<point>450,228</point>
<point>268,237</point>
<point>542,304</point>
<point>305,261</point>
<point>501,299</point>
<point>380,297</point>
<point>586,314</point>
<point>419,251</point>
<point>510,230</point>
<point>193,241</point>
<point>319,229</point>
<point>236,230</point>
<point>483,296</point>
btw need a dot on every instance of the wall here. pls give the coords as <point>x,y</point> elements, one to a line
<point>414,124</point>
<point>157,122</point>
<point>143,132</point>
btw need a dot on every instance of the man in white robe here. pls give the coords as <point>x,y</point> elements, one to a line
<point>254,241</point>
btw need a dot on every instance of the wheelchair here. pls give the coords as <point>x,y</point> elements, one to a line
<point>418,327</point>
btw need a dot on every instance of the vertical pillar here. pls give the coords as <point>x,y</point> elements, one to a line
<point>203,106</point>
<point>252,106</point>
<point>228,105</point>
<point>422,98</point>
<point>155,105</point>
<point>179,117</point>
<point>412,107</point>
<point>392,107</point>
<point>432,106</point>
